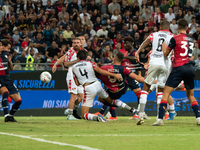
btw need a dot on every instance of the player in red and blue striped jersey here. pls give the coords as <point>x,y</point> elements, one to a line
<point>182,69</point>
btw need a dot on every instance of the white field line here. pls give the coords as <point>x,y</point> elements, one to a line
<point>100,135</point>
<point>46,141</point>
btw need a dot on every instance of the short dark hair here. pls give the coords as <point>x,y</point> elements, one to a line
<point>5,42</point>
<point>76,38</point>
<point>119,56</point>
<point>129,39</point>
<point>165,25</point>
<point>82,54</point>
<point>182,24</point>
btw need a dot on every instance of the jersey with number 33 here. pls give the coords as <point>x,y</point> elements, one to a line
<point>183,46</point>
<point>157,39</point>
<point>84,71</point>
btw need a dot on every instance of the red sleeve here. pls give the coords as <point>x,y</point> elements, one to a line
<point>127,71</point>
<point>93,64</point>
<point>150,37</point>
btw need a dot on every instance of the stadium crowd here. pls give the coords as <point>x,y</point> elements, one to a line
<point>42,30</point>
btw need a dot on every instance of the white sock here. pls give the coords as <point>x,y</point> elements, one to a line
<point>119,103</point>
<point>143,100</point>
<point>70,112</point>
<point>6,115</point>
<point>89,116</point>
<point>159,97</point>
<point>171,107</point>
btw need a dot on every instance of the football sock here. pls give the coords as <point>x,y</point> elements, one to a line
<point>15,107</point>
<point>76,107</point>
<point>109,104</point>
<point>159,97</point>
<point>138,93</point>
<point>162,108</point>
<point>143,101</point>
<point>103,109</point>
<point>112,111</point>
<point>195,108</point>
<point>70,112</point>
<point>121,104</point>
<point>171,108</point>
<point>89,116</point>
<point>5,103</point>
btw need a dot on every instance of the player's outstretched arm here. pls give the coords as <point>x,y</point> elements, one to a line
<point>58,62</point>
<point>10,63</point>
<point>143,45</point>
<point>136,77</point>
<point>106,73</point>
<point>70,63</point>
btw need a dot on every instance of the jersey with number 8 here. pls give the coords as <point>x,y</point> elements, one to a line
<point>84,71</point>
<point>183,46</point>
<point>157,38</point>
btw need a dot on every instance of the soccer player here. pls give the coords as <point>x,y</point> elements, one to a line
<point>6,85</point>
<point>69,60</point>
<point>84,72</point>
<point>182,69</point>
<point>157,65</point>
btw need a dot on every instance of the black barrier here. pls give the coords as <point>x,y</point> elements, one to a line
<point>31,80</point>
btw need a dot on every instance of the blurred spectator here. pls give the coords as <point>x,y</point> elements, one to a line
<point>84,13</point>
<point>144,32</point>
<point>173,26</point>
<point>61,41</point>
<point>55,59</point>
<point>39,43</point>
<point>137,40</point>
<point>157,16</point>
<point>29,48</point>
<point>187,8</point>
<point>63,13</point>
<point>74,14</point>
<point>197,33</point>
<point>18,6</point>
<point>155,5</point>
<point>124,32</point>
<point>67,33</point>
<point>140,25</point>
<point>76,25</point>
<point>170,16</point>
<point>179,15</point>
<point>109,59</point>
<point>17,66</point>
<point>119,24</point>
<point>89,46</point>
<point>188,16</point>
<point>25,43</point>
<point>63,49</point>
<point>103,7</point>
<point>113,6</point>
<point>22,58</point>
<point>135,29</point>
<point>64,23</point>
<point>135,8</point>
<point>193,3</point>
<point>118,40</point>
<point>1,18</point>
<point>143,7</point>
<point>176,7</point>
<point>115,16</point>
<point>52,51</point>
<point>97,55</point>
<point>47,33</point>
<point>192,26</point>
<point>91,31</point>
<point>136,17</point>
<point>118,47</point>
<point>16,38</point>
<point>112,33</point>
<point>97,24</point>
<point>197,63</point>
<point>86,21</point>
<point>146,15</point>
<point>30,61</point>
<point>196,51</point>
<point>127,17</point>
<point>164,7</point>
<point>92,7</point>
<point>130,25</point>
<point>102,33</point>
<point>124,7</point>
<point>6,8</point>
<point>95,15</point>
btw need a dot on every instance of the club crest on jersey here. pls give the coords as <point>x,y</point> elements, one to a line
<point>73,89</point>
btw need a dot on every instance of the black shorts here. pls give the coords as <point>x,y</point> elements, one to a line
<point>132,84</point>
<point>8,83</point>
<point>185,73</point>
<point>118,94</point>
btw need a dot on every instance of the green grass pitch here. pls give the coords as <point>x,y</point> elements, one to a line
<point>180,134</point>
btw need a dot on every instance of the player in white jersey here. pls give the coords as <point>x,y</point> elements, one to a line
<point>70,59</point>
<point>157,64</point>
<point>84,72</point>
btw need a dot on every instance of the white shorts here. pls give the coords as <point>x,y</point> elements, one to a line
<point>156,71</point>
<point>90,91</point>
<point>73,88</point>
<point>153,87</point>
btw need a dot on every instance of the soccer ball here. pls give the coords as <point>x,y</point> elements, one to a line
<point>45,77</point>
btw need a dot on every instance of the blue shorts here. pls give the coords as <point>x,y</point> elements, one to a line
<point>118,94</point>
<point>132,84</point>
<point>8,83</point>
<point>185,73</point>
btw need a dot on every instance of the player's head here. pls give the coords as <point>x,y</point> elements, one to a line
<point>182,24</point>
<point>6,45</point>
<point>76,43</point>
<point>128,43</point>
<point>118,57</point>
<point>82,55</point>
<point>164,25</point>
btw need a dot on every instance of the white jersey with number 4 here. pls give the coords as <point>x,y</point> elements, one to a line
<point>84,71</point>
<point>157,38</point>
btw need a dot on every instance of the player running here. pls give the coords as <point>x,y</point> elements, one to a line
<point>84,72</point>
<point>182,69</point>
<point>70,58</point>
<point>6,85</point>
<point>157,65</point>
